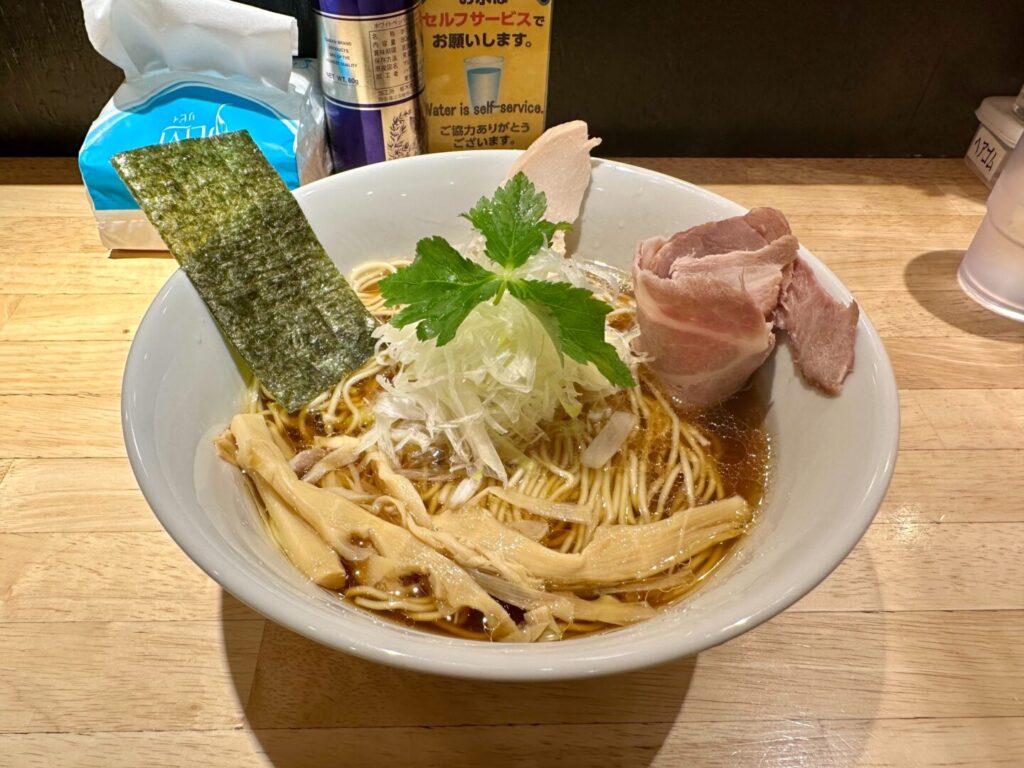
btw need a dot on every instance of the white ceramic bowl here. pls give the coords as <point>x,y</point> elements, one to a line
<point>833,456</point>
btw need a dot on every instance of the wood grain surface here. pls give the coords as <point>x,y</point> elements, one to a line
<point>116,650</point>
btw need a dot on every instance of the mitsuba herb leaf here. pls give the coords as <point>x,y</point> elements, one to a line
<point>441,286</point>
<point>512,222</point>
<point>439,289</point>
<point>579,319</point>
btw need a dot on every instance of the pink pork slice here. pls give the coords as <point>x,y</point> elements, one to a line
<point>758,273</point>
<point>705,335</point>
<point>707,297</point>
<point>822,331</point>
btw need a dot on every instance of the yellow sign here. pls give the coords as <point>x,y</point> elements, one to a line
<point>486,67</point>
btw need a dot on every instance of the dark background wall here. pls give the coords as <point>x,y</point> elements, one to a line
<point>653,77</point>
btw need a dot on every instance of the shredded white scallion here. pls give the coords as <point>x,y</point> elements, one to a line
<point>496,383</point>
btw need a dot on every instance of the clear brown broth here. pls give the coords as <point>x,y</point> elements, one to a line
<point>741,448</point>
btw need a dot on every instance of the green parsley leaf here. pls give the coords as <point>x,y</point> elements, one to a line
<point>512,222</point>
<point>579,319</point>
<point>440,288</point>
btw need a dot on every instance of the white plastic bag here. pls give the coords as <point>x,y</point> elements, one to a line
<point>196,68</point>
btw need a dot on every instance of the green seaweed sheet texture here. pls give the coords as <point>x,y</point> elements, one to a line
<point>240,236</point>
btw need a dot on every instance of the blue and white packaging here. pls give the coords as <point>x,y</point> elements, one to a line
<point>196,68</point>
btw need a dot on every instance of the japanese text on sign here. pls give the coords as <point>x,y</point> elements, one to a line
<point>486,72</point>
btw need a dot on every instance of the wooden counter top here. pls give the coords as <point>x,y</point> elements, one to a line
<point>115,650</point>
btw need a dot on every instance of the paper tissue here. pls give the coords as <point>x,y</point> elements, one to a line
<point>196,68</point>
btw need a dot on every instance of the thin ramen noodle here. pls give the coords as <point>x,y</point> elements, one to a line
<point>561,549</point>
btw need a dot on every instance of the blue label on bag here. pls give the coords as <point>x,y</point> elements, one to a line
<point>182,111</point>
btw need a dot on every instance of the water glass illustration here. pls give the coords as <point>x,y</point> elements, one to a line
<point>483,79</point>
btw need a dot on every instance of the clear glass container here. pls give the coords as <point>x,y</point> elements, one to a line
<point>992,272</point>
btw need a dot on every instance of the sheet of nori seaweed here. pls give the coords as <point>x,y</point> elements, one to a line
<point>240,236</point>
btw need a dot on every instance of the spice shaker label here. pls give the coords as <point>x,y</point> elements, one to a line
<point>986,154</point>
<point>486,66</point>
<point>371,74</point>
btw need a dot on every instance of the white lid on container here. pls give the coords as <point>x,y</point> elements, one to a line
<point>996,113</point>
